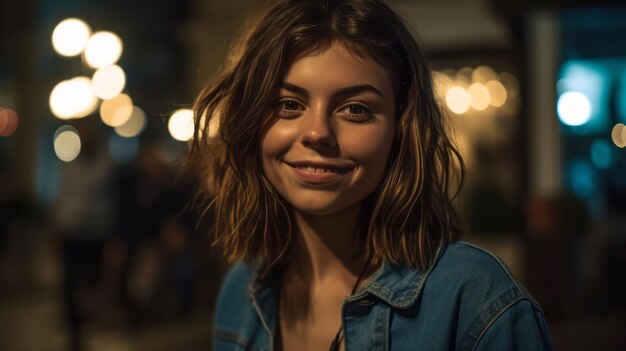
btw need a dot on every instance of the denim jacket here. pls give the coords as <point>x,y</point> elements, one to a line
<point>467,300</point>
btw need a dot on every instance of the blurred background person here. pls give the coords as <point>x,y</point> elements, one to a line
<point>82,219</point>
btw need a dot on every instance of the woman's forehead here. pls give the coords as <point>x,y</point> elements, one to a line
<point>312,48</point>
<point>336,65</point>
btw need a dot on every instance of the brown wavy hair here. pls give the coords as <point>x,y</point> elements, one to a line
<point>411,212</point>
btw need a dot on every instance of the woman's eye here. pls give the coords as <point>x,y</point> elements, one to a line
<point>290,105</point>
<point>287,108</point>
<point>357,109</point>
<point>357,112</point>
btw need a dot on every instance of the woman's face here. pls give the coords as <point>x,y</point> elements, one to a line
<point>334,125</point>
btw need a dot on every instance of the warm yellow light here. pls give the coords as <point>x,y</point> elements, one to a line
<point>479,96</point>
<point>103,49</point>
<point>108,82</point>
<point>483,74</point>
<point>73,98</point>
<point>135,124</point>
<point>70,37</point>
<point>116,111</point>
<point>497,92</point>
<point>464,74</point>
<point>181,125</point>
<point>458,100</point>
<point>66,143</point>
<point>618,135</point>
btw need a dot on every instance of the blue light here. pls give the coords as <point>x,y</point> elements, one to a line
<point>574,108</point>
<point>583,96</point>
<point>602,154</point>
<point>581,179</point>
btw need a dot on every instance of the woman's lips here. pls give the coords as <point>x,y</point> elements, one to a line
<point>317,172</point>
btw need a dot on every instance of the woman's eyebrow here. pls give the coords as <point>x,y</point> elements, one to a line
<point>356,89</point>
<point>294,89</point>
<point>351,90</point>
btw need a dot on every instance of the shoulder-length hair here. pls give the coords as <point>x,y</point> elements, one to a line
<point>409,215</point>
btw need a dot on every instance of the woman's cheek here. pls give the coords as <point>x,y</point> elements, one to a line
<point>279,137</point>
<point>369,145</point>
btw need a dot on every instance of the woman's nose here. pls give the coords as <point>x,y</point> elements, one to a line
<point>318,131</point>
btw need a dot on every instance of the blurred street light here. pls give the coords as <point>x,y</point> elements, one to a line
<point>181,125</point>
<point>73,98</point>
<point>574,108</point>
<point>458,100</point>
<point>70,37</point>
<point>108,81</point>
<point>66,143</point>
<point>103,49</point>
<point>134,125</point>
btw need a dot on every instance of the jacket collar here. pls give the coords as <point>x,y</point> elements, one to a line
<point>397,286</point>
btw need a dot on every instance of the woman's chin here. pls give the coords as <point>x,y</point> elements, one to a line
<point>320,208</point>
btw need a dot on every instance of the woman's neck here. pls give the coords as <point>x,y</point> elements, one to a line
<point>328,246</point>
<point>321,273</point>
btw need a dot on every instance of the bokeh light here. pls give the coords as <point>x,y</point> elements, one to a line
<point>73,98</point>
<point>181,125</point>
<point>66,143</point>
<point>464,75</point>
<point>497,92</point>
<point>70,37</point>
<point>618,135</point>
<point>8,122</point>
<point>458,100</point>
<point>574,108</point>
<point>135,124</point>
<point>601,154</point>
<point>103,49</point>
<point>581,178</point>
<point>108,81</point>
<point>483,74</point>
<point>117,111</point>
<point>479,96</point>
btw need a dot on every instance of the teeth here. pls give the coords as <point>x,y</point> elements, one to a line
<point>312,169</point>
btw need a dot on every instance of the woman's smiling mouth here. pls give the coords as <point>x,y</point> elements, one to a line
<point>317,172</point>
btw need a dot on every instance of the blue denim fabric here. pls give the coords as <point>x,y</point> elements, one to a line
<point>467,300</point>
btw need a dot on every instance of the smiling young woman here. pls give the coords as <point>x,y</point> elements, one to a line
<point>328,147</point>
<point>331,178</point>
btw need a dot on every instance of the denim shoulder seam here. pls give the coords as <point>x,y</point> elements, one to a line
<point>502,265</point>
<point>486,314</point>
<point>497,316</point>
<point>506,269</point>
<point>233,337</point>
